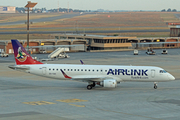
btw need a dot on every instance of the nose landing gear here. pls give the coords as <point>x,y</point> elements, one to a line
<point>155,85</point>
<point>89,87</point>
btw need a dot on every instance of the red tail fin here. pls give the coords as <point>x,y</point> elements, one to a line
<point>21,55</point>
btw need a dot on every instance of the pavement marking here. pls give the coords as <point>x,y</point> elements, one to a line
<point>39,103</point>
<point>72,100</point>
<point>77,105</point>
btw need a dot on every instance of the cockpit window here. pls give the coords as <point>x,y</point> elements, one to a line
<point>162,71</point>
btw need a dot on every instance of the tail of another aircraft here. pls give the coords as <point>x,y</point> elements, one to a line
<point>21,55</point>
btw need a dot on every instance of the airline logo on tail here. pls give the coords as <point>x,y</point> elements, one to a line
<point>21,56</point>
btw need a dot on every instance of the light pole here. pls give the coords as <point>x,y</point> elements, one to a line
<point>29,5</point>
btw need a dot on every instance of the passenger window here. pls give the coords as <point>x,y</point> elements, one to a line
<point>93,70</point>
<point>57,69</point>
<point>71,69</point>
<point>49,69</point>
<point>64,69</point>
<point>97,70</point>
<point>89,70</point>
<point>74,69</point>
<point>78,70</point>
<point>81,69</point>
<point>53,69</point>
<point>68,69</point>
<point>105,70</point>
<point>85,70</point>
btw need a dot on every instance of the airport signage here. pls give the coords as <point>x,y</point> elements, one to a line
<point>3,9</point>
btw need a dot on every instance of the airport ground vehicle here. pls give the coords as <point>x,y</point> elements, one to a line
<point>164,51</point>
<point>150,51</point>
<point>63,55</point>
<point>42,51</point>
<point>135,52</point>
<point>58,53</point>
<point>103,75</point>
<point>4,54</point>
<point>55,55</point>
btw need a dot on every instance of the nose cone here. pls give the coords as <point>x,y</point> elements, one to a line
<point>171,77</point>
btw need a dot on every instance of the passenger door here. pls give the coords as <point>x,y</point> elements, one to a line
<point>152,73</point>
<point>44,70</point>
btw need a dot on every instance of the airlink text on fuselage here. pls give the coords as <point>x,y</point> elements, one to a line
<point>135,72</point>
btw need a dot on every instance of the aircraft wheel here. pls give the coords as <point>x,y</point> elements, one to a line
<point>155,86</point>
<point>89,87</point>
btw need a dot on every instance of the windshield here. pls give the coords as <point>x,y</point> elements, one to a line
<point>162,71</point>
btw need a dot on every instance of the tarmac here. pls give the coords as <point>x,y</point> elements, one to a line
<point>25,96</point>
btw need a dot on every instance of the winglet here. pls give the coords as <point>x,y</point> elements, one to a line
<point>66,76</point>
<point>81,62</point>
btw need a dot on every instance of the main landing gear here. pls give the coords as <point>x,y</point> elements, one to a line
<point>155,85</point>
<point>91,85</point>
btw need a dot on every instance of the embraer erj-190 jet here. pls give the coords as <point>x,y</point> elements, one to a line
<point>103,75</point>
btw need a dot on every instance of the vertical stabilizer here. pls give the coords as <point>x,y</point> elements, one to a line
<point>21,55</point>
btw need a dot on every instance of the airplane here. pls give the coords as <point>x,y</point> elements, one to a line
<point>104,75</point>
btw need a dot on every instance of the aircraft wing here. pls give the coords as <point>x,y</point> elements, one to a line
<point>91,78</point>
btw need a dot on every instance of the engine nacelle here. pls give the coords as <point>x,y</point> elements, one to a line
<point>111,83</point>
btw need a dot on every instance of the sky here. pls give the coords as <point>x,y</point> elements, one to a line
<point>99,4</point>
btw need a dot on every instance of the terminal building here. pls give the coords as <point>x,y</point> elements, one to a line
<point>99,42</point>
<point>174,29</point>
<point>118,43</point>
<point>94,43</point>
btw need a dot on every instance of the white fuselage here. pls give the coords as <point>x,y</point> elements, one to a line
<point>119,73</point>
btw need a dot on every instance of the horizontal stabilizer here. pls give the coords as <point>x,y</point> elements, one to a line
<point>19,67</point>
